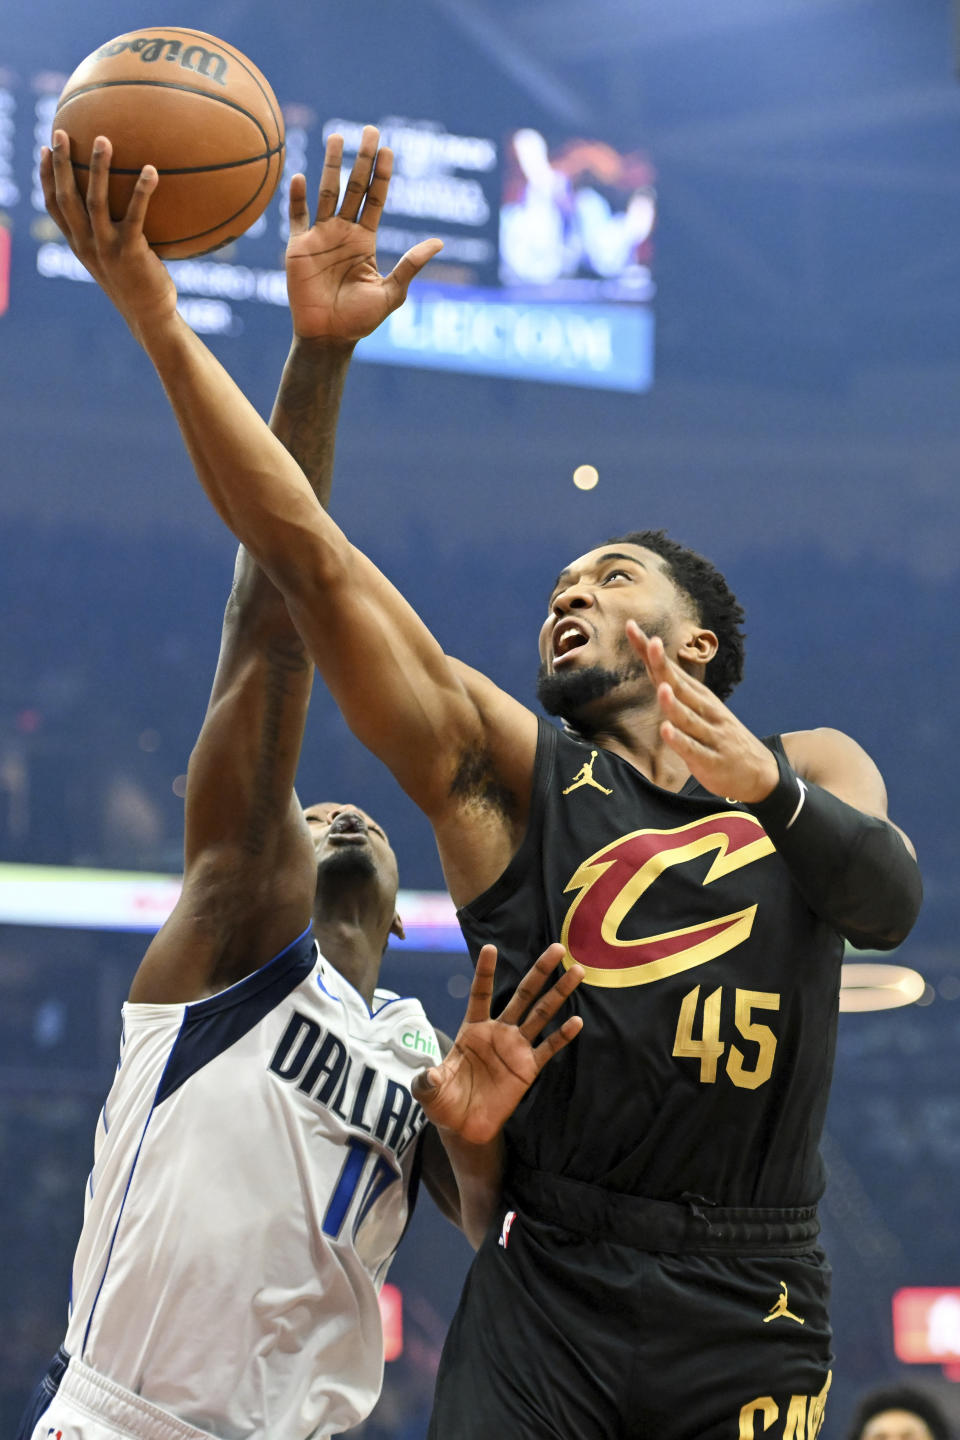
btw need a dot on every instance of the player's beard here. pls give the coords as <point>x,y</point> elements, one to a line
<point>570,693</point>
<point>345,866</point>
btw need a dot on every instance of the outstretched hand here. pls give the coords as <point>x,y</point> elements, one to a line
<point>336,292</point>
<point>115,252</point>
<point>716,747</point>
<point>493,1063</point>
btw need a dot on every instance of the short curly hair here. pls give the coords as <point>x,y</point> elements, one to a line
<point>900,1397</point>
<point>715,604</point>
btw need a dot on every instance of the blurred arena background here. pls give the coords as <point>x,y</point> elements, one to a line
<point>709,250</point>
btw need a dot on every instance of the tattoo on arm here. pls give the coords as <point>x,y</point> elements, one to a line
<point>305,414</point>
<point>288,671</point>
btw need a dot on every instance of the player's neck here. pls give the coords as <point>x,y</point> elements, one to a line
<point>351,949</point>
<point>633,733</point>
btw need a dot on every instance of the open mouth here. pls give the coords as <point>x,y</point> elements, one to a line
<point>567,637</point>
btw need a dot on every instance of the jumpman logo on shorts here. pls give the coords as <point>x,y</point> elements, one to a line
<point>779,1311</point>
<point>584,776</point>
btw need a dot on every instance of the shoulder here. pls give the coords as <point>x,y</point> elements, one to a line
<point>839,764</point>
<point>824,753</point>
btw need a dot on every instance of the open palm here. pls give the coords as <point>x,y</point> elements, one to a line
<point>493,1062</point>
<point>336,291</point>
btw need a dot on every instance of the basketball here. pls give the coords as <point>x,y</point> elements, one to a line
<point>198,110</point>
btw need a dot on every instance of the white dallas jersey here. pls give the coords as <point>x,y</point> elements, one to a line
<point>252,1178</point>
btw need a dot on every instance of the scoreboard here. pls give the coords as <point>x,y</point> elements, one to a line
<point>546,272</point>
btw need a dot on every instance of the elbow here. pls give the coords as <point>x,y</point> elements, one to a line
<point>889,915</point>
<point>308,572</point>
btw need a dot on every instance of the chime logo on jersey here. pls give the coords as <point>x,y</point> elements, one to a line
<point>615,879</point>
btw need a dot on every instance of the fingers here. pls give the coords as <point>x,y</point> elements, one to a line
<point>409,266</point>
<point>98,178</point>
<point>684,745</point>
<point>481,987</point>
<point>80,217</point>
<point>360,174</point>
<point>665,671</point>
<point>531,985</point>
<point>67,197</point>
<point>328,196</point>
<point>49,188</point>
<point>682,717</point>
<point>98,196</point>
<point>132,223</point>
<point>650,649</point>
<point>297,212</point>
<point>558,1041</point>
<point>548,1005</point>
<point>425,1084</point>
<point>375,198</point>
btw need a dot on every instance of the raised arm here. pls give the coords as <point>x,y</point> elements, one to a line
<point>249,871</point>
<point>451,738</point>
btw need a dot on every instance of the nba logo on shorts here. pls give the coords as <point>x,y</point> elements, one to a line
<point>508,1220</point>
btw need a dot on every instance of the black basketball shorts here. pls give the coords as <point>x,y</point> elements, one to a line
<point>563,1337</point>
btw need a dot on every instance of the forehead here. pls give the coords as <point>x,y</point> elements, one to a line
<point>897,1423</point>
<point>605,554</point>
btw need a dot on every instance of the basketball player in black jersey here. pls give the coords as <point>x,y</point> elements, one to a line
<point>653,1268</point>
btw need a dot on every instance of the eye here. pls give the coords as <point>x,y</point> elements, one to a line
<point>612,574</point>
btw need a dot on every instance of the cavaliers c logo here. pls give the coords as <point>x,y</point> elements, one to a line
<point>613,880</point>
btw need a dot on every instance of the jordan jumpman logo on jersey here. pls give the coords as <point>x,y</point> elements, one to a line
<point>584,776</point>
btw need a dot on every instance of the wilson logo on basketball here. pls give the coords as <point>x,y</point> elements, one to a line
<point>191,57</point>
<point>616,878</point>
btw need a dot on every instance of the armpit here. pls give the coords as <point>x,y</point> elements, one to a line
<point>477,782</point>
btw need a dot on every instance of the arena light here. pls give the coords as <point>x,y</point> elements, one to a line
<point>926,1327</point>
<point>391,1314</point>
<point>871,985</point>
<point>88,899</point>
<point>135,900</point>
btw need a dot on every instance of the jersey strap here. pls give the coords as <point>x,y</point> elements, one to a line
<point>212,1026</point>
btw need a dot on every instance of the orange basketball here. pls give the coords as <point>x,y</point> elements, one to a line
<point>199,111</point>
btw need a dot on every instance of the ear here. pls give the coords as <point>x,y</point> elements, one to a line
<point>698,647</point>
<point>396,927</point>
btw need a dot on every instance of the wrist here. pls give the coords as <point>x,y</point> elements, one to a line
<point>322,350</point>
<point>159,332</point>
<point>780,805</point>
<point>471,1154</point>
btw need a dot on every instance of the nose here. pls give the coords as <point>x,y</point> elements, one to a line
<point>572,597</point>
<point>348,822</point>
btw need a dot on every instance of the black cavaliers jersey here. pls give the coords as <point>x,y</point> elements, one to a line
<point>710,997</point>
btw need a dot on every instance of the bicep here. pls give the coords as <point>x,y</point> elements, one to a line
<point>417,709</point>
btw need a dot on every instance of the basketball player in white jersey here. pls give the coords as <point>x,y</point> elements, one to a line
<point>257,1154</point>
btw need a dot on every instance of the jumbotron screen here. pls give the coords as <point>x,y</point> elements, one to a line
<point>546,271</point>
